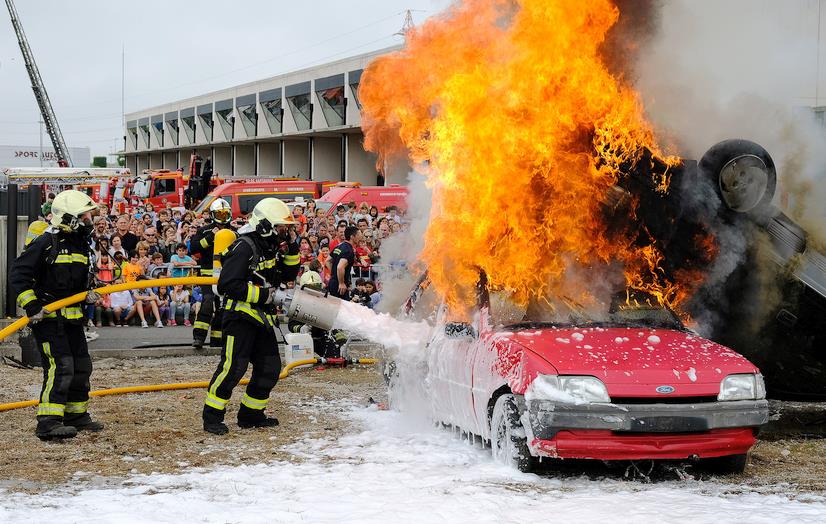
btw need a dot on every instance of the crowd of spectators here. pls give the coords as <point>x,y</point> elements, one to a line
<point>151,243</point>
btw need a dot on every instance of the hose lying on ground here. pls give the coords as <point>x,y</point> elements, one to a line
<point>195,385</point>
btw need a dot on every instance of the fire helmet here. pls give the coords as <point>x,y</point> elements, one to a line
<point>220,211</point>
<point>311,279</point>
<point>68,207</point>
<point>269,213</point>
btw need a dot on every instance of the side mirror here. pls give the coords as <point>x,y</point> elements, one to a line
<point>459,330</point>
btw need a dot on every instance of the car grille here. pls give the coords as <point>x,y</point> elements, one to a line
<point>663,400</point>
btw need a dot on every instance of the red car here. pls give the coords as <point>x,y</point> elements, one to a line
<point>638,387</point>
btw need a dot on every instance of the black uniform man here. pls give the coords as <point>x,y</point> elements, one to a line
<point>57,265</point>
<point>254,267</point>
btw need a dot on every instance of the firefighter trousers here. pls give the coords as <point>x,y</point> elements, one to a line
<point>244,342</point>
<point>209,318</point>
<point>66,370</point>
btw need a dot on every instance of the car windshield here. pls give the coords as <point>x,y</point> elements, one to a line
<point>322,205</point>
<point>204,204</point>
<point>649,317</point>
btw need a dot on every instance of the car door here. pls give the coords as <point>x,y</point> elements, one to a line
<point>449,365</point>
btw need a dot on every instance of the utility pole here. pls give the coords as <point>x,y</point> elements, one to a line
<point>408,24</point>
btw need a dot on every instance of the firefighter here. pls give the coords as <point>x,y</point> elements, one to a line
<point>208,319</point>
<point>55,265</point>
<point>262,260</point>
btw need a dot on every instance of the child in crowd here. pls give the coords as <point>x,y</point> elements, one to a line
<point>122,306</point>
<point>181,261</point>
<point>179,302</point>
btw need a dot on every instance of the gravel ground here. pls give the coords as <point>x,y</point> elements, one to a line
<point>161,432</point>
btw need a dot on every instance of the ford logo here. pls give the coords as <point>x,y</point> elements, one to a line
<point>665,390</point>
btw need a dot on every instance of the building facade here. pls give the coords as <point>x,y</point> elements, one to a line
<point>305,124</point>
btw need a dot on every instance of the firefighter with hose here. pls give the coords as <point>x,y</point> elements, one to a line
<point>255,268</point>
<point>53,266</point>
<point>208,320</point>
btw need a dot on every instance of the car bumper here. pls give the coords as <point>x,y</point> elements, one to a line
<point>644,431</point>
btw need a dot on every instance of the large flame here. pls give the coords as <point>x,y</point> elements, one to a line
<point>512,113</point>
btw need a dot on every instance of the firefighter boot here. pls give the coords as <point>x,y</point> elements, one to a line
<point>83,422</point>
<point>214,421</point>
<point>254,418</point>
<point>51,428</point>
<point>198,343</point>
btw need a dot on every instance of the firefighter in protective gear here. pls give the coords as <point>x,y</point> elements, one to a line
<point>208,320</point>
<point>262,259</point>
<point>55,265</point>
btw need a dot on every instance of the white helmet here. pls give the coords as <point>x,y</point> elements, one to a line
<point>220,211</point>
<point>269,213</point>
<point>310,279</point>
<point>68,207</point>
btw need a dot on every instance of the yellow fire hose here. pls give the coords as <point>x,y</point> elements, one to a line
<point>181,385</point>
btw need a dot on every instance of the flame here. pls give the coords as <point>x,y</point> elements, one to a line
<point>509,109</point>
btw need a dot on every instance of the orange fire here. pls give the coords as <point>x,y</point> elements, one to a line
<point>508,108</point>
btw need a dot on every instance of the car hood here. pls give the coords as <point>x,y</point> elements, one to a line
<point>634,361</point>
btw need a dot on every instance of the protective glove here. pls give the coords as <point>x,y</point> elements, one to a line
<point>92,297</point>
<point>37,317</point>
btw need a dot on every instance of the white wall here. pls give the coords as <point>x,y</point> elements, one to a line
<point>29,156</point>
<point>170,160</point>
<point>296,159</point>
<point>327,159</point>
<point>269,159</point>
<point>222,161</point>
<point>361,165</point>
<point>244,160</point>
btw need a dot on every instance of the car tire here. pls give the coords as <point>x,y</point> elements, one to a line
<point>508,443</point>
<point>729,465</point>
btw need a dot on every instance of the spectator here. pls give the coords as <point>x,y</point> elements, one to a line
<point>163,302</point>
<point>362,213</point>
<point>374,215</point>
<point>393,215</point>
<point>128,239</point>
<point>46,208</point>
<point>145,301</point>
<point>143,256</point>
<point>197,299</point>
<point>375,294</point>
<point>179,301</point>
<point>177,216</point>
<point>323,258</point>
<point>360,294</point>
<point>104,269</point>
<point>341,214</point>
<point>123,307</point>
<point>311,208</point>
<point>305,252</point>
<point>150,236</point>
<point>157,268</point>
<point>132,270</point>
<point>342,226</point>
<point>363,262</point>
<point>103,311</point>
<point>117,247</point>
<point>383,228</point>
<point>170,239</point>
<point>102,246</point>
<point>149,210</point>
<point>363,224</point>
<point>181,261</point>
<point>313,240</point>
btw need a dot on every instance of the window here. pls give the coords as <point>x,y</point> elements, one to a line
<point>164,186</point>
<point>157,128</point>
<point>247,202</point>
<point>205,118</point>
<point>301,106</point>
<point>246,112</point>
<point>132,133</point>
<point>188,122</point>
<point>143,127</point>
<point>223,113</point>
<point>172,128</point>
<point>330,92</point>
<point>355,79</point>
<point>272,109</point>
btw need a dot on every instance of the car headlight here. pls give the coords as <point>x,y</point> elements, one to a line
<point>568,389</point>
<point>745,386</point>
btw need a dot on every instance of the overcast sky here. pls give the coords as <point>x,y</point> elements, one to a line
<point>174,50</point>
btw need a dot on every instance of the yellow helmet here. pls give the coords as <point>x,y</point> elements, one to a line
<point>36,229</point>
<point>68,207</point>
<point>220,211</point>
<point>269,213</point>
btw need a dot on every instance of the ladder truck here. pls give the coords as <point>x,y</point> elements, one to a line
<point>49,118</point>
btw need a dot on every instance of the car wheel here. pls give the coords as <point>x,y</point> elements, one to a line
<point>508,443</point>
<point>730,465</point>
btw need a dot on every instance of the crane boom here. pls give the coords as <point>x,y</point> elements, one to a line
<point>49,118</point>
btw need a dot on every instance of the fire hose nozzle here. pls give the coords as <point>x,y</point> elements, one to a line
<point>282,298</point>
<point>312,307</point>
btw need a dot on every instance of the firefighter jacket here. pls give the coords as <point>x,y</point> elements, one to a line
<point>55,265</point>
<point>249,268</point>
<point>203,243</point>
